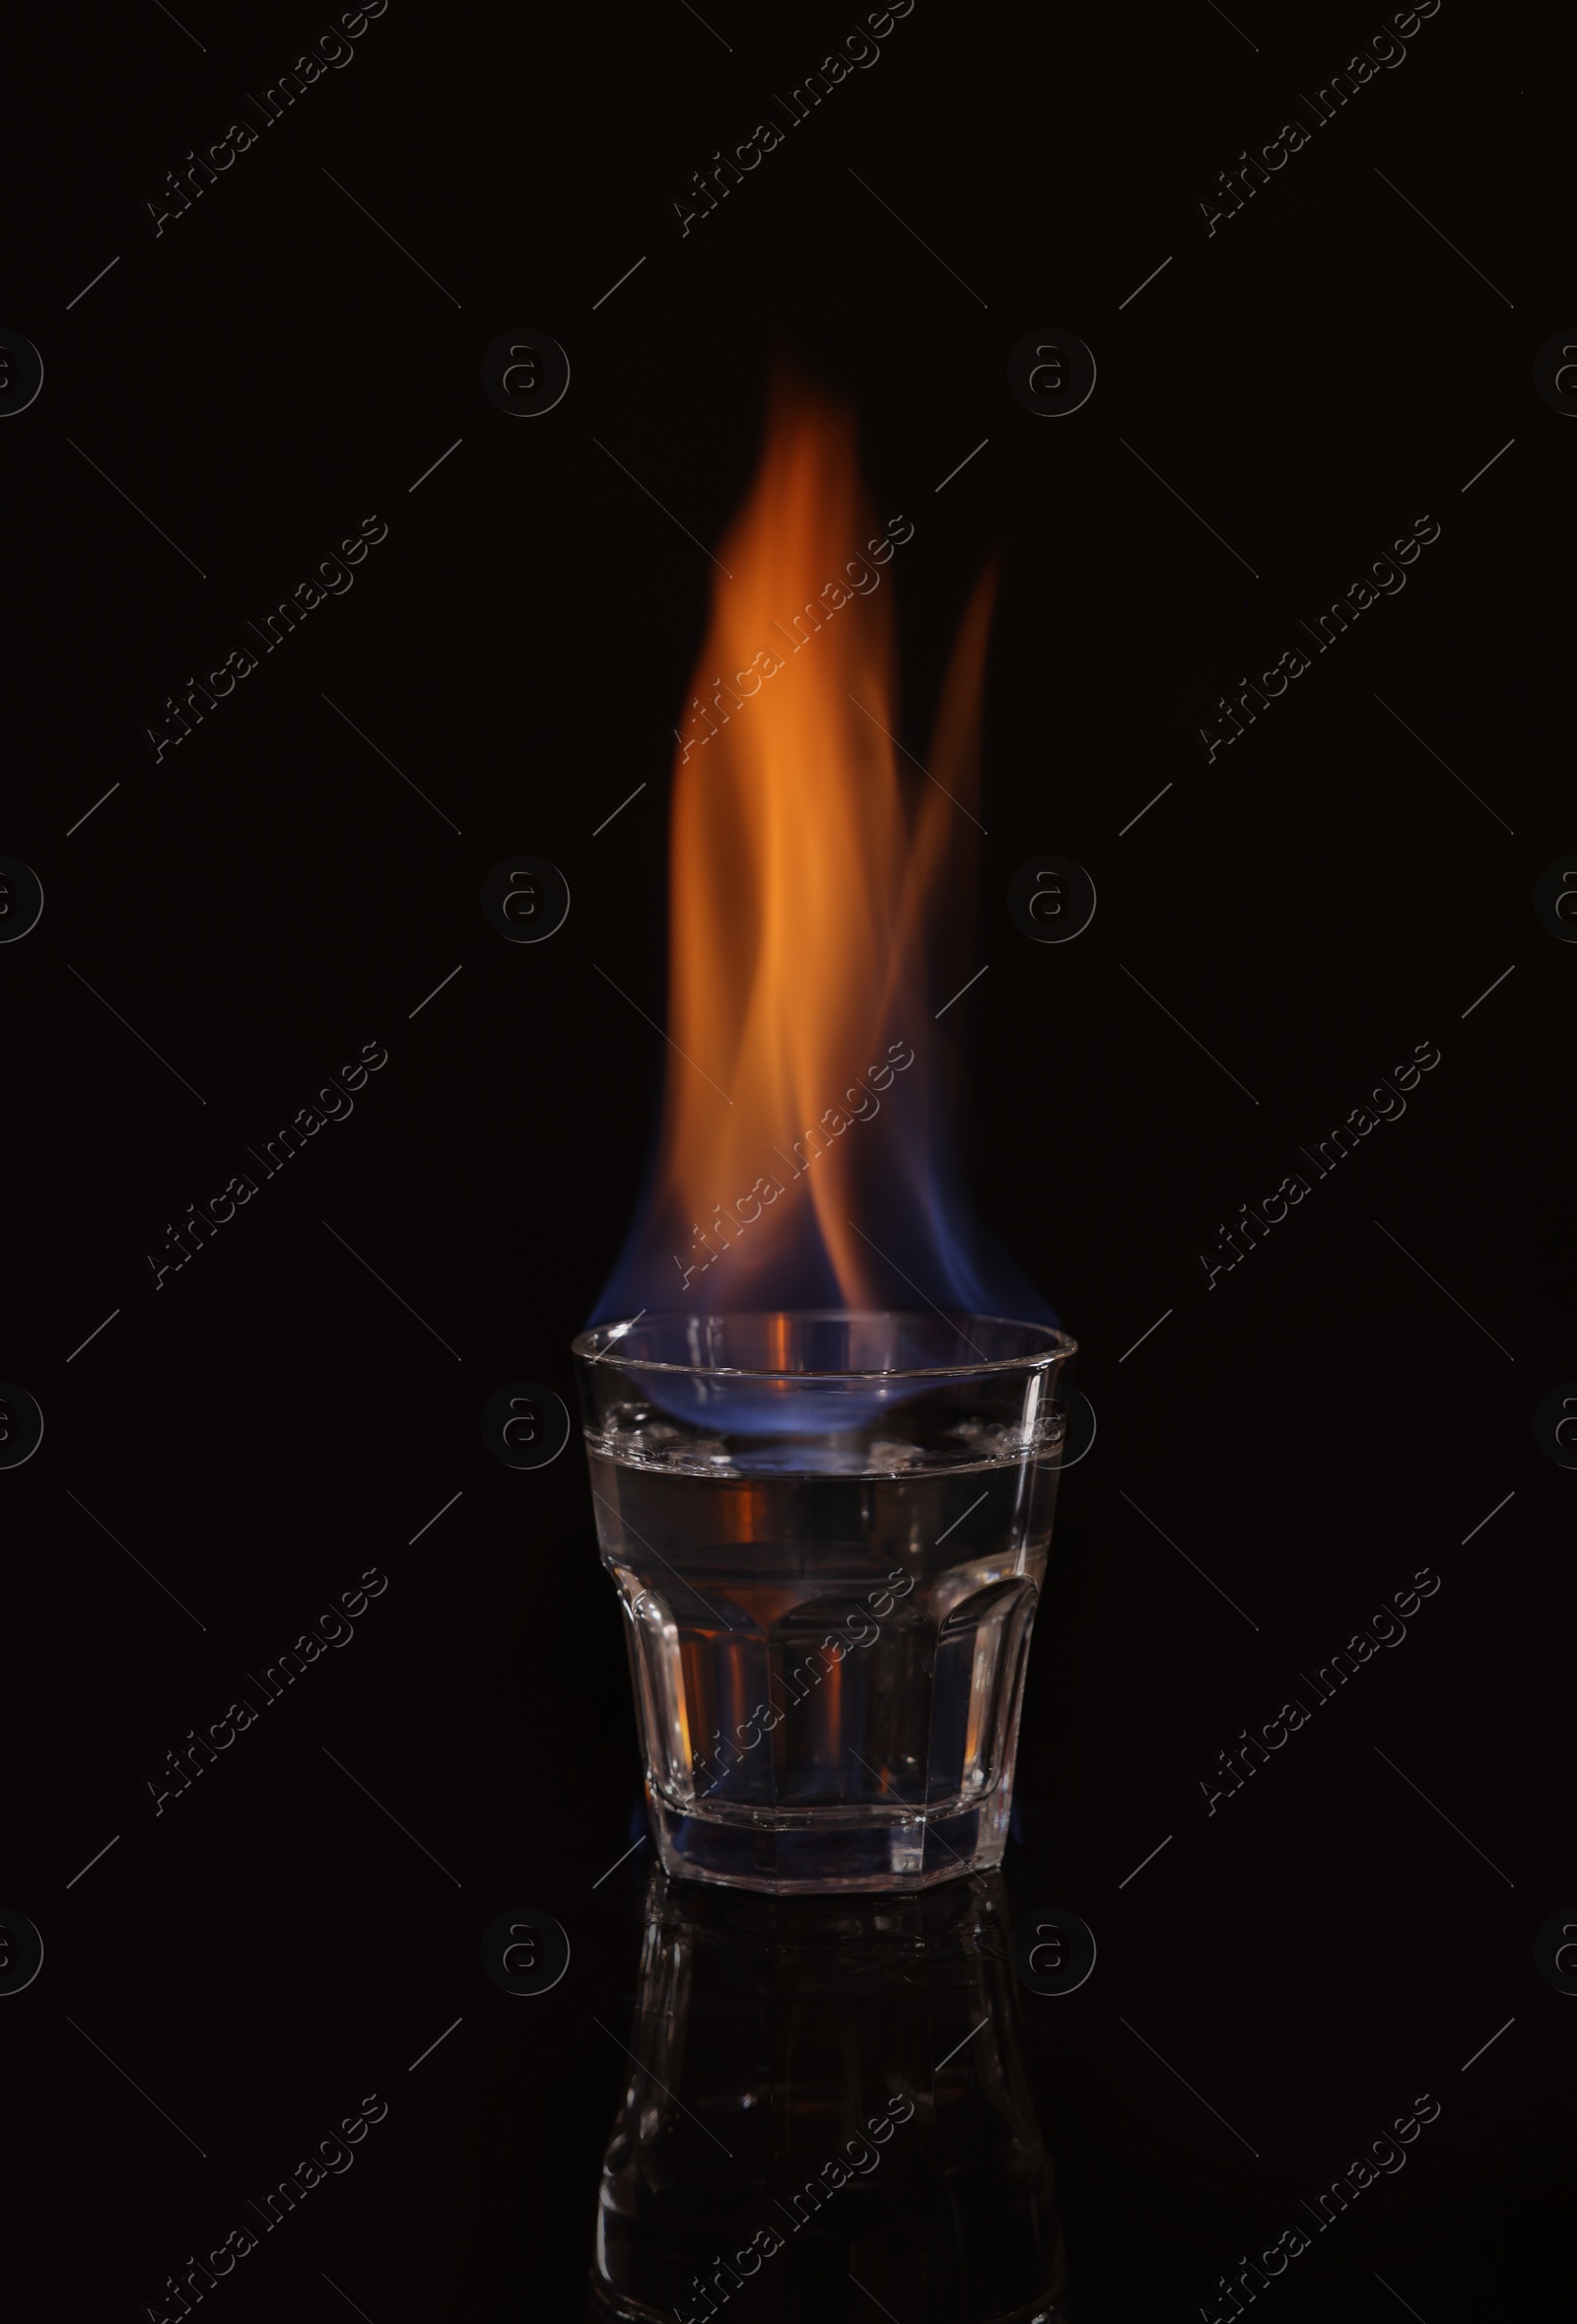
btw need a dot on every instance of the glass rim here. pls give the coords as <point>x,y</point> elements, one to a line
<point>598,1342</point>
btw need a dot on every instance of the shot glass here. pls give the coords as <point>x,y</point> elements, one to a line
<point>829,1534</point>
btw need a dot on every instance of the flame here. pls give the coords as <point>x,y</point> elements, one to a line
<point>807,868</point>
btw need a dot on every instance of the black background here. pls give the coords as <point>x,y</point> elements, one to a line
<point>1319,373</point>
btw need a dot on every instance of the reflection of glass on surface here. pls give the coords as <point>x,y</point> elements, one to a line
<point>827,2097</point>
<point>829,1533</point>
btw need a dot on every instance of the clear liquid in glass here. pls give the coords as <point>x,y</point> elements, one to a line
<point>827,1666</point>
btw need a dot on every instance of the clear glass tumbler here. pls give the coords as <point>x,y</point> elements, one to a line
<point>829,1533</point>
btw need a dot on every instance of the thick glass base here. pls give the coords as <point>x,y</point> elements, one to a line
<point>826,1849</point>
